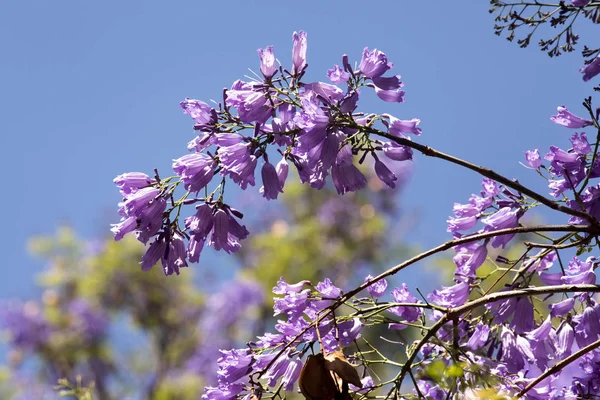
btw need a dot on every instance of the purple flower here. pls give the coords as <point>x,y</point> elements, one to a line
<point>348,332</point>
<point>533,158</point>
<point>328,289</point>
<point>591,70</point>
<point>502,219</point>
<point>347,178</point>
<point>396,127</point>
<point>176,255</point>
<point>403,295</point>
<point>201,142</point>
<point>222,392</point>
<point>580,3</point>
<point>580,272</point>
<point>294,303</point>
<point>142,211</point>
<point>388,83</point>
<point>233,365</point>
<point>271,183</point>
<point>431,391</point>
<point>291,374</point>
<point>390,96</point>
<point>523,320</point>
<point>282,172</point>
<point>155,252</point>
<point>298,52</point>
<point>479,337</point>
<point>196,170</point>
<point>580,143</point>
<point>267,62</point>
<point>490,187</point>
<point>456,224</point>
<point>452,296</point>
<point>566,336</point>
<point>201,223</point>
<point>284,288</point>
<point>468,261</point>
<point>200,112</point>
<point>131,182</point>
<point>238,162</point>
<point>397,152</point>
<point>566,118</point>
<point>384,174</point>
<point>562,307</point>
<point>542,332</point>
<point>348,103</point>
<point>374,63</point>
<point>587,327</point>
<point>378,288</point>
<point>227,232</point>
<point>338,75</point>
<point>251,101</point>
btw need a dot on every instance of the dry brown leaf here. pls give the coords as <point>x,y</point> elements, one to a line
<point>315,380</point>
<point>336,362</point>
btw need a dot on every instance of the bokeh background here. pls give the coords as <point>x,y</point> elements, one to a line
<point>90,90</point>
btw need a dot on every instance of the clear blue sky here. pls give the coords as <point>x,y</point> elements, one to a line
<point>89,90</point>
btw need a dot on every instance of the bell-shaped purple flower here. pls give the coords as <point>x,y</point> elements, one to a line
<point>397,127</point>
<point>239,163</point>
<point>564,344</point>
<point>580,143</point>
<point>533,158</point>
<point>378,288</point>
<point>284,288</point>
<point>388,83</point>
<point>282,171</point>
<point>479,337</point>
<point>502,219</point>
<point>196,170</point>
<point>456,224</point>
<point>291,374</point>
<point>396,152</point>
<point>338,75</point>
<point>568,119</point>
<point>227,232</point>
<point>155,252</point>
<point>591,70</point>
<point>271,184</point>
<point>200,112</point>
<point>131,182</point>
<point>403,295</point>
<point>298,52</point>
<point>390,96</point>
<point>452,296</point>
<point>176,255</point>
<point>328,289</point>
<point>267,62</point>
<point>347,178</point>
<point>523,320</point>
<point>384,174</point>
<point>233,365</point>
<point>587,327</point>
<point>374,63</point>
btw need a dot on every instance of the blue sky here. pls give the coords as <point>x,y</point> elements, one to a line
<point>90,90</point>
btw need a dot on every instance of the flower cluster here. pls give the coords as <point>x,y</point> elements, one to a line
<point>312,126</point>
<point>303,310</point>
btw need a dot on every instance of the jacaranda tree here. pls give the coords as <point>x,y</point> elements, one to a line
<point>526,327</point>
